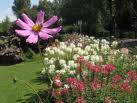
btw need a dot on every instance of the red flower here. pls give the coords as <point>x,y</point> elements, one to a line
<point>116,78</point>
<point>76,84</point>
<point>80,100</point>
<point>108,68</point>
<point>80,59</point>
<point>56,92</point>
<point>114,85</point>
<point>125,87</point>
<point>88,64</point>
<point>57,81</point>
<point>95,84</point>
<point>132,75</point>
<point>78,69</point>
<point>95,69</point>
<point>64,91</point>
<point>109,101</point>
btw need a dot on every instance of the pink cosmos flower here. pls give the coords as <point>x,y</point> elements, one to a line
<point>39,29</point>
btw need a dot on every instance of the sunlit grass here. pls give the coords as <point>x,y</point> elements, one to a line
<point>27,71</point>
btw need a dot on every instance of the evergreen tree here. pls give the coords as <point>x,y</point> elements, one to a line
<point>21,6</point>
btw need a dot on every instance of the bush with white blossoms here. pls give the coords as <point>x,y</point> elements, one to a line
<point>82,63</point>
<point>62,57</point>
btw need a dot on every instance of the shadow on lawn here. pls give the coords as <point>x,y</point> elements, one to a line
<point>40,79</point>
<point>33,98</point>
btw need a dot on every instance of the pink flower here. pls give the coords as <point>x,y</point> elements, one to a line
<point>132,75</point>
<point>80,59</point>
<point>56,92</point>
<point>116,78</point>
<point>94,69</point>
<point>80,100</point>
<point>107,68</point>
<point>76,84</point>
<point>78,69</point>
<point>124,51</point>
<point>109,101</point>
<point>125,87</point>
<point>57,81</point>
<point>95,84</point>
<point>40,29</point>
<point>64,91</point>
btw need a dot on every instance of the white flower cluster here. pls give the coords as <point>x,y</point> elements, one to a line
<point>62,57</point>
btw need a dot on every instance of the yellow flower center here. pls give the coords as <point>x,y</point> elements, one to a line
<point>36,28</point>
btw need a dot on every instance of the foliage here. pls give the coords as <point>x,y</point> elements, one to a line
<point>46,6</point>
<point>70,29</point>
<point>21,6</point>
<point>91,69</point>
<point>5,26</point>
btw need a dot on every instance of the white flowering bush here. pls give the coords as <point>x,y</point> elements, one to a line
<point>61,58</point>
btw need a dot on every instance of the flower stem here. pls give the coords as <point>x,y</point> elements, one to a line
<point>42,60</point>
<point>41,56</point>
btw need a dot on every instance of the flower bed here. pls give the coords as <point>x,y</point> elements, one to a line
<point>83,69</point>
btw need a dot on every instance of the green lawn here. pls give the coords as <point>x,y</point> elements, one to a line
<point>14,92</point>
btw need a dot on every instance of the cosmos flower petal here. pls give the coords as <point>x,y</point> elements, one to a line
<point>23,33</point>
<point>44,35</point>
<point>52,31</point>
<point>33,38</point>
<point>40,17</point>
<point>51,21</point>
<point>23,25</point>
<point>27,19</point>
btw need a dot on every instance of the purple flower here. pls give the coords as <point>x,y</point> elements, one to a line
<point>34,31</point>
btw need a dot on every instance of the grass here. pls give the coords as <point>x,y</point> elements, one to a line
<point>16,92</point>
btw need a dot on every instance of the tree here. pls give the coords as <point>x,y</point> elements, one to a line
<point>88,11</point>
<point>21,6</point>
<point>45,6</point>
<point>5,25</point>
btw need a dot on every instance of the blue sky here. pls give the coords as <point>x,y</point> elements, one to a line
<point>5,9</point>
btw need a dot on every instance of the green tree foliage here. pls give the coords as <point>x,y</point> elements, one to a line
<point>47,7</point>
<point>56,6</point>
<point>5,25</point>
<point>21,6</point>
<point>88,11</point>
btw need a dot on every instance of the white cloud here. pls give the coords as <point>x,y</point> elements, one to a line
<point>7,12</point>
